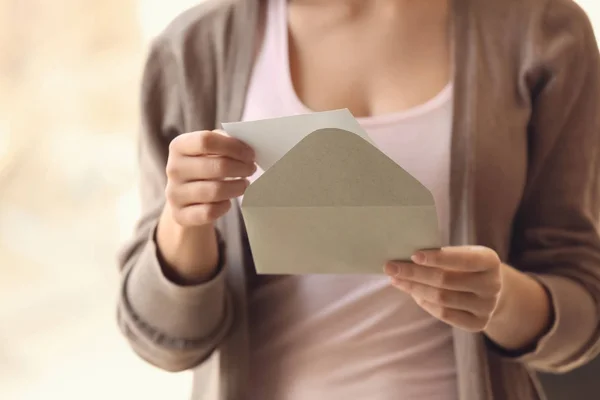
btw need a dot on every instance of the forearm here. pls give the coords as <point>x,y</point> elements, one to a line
<point>159,314</point>
<point>189,255</point>
<point>523,313</point>
<point>173,327</point>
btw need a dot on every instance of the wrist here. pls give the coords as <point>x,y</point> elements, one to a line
<point>188,255</point>
<point>523,313</point>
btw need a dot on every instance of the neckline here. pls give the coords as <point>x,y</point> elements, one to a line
<point>278,20</point>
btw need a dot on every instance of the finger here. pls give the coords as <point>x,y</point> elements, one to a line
<point>461,258</point>
<point>458,318</point>
<point>199,192</point>
<point>463,301</point>
<point>212,143</point>
<point>186,169</point>
<point>482,283</point>
<point>201,214</point>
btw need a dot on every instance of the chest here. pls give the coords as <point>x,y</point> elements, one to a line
<point>333,67</point>
<point>368,63</point>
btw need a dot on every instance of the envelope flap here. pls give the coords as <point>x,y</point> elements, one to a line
<point>334,167</point>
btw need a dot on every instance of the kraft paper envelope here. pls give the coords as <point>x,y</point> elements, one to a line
<point>272,138</point>
<point>335,204</point>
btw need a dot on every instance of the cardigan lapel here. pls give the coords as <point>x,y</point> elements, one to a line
<point>235,58</point>
<point>470,353</point>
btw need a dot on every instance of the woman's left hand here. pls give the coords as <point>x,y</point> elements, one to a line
<point>458,285</point>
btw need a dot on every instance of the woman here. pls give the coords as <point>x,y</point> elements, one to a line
<point>493,105</point>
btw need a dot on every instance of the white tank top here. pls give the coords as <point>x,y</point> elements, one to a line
<point>316,337</point>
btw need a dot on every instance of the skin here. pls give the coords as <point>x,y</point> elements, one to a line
<point>405,54</point>
<point>470,288</point>
<point>405,60</point>
<point>205,170</point>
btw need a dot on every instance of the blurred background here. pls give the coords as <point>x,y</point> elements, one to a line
<point>69,75</point>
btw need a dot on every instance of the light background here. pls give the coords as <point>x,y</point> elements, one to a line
<point>69,73</point>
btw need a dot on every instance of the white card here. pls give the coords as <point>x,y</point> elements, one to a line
<point>272,138</point>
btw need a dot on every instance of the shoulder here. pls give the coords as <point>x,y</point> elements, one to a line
<point>561,45</point>
<point>559,30</point>
<point>202,48</point>
<point>527,31</point>
<point>542,38</point>
<point>564,21</point>
<point>197,28</point>
<point>529,19</point>
<point>561,15</point>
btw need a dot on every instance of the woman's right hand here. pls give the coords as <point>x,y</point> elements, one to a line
<point>205,170</point>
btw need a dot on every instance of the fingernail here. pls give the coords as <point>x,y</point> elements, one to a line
<point>418,258</point>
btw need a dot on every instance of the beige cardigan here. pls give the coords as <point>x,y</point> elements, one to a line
<point>524,181</point>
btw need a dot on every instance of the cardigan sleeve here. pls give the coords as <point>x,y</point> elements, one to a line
<point>172,327</point>
<point>557,228</point>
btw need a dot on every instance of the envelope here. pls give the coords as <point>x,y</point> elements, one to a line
<point>335,204</point>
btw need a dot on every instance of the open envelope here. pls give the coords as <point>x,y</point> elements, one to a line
<point>335,204</point>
